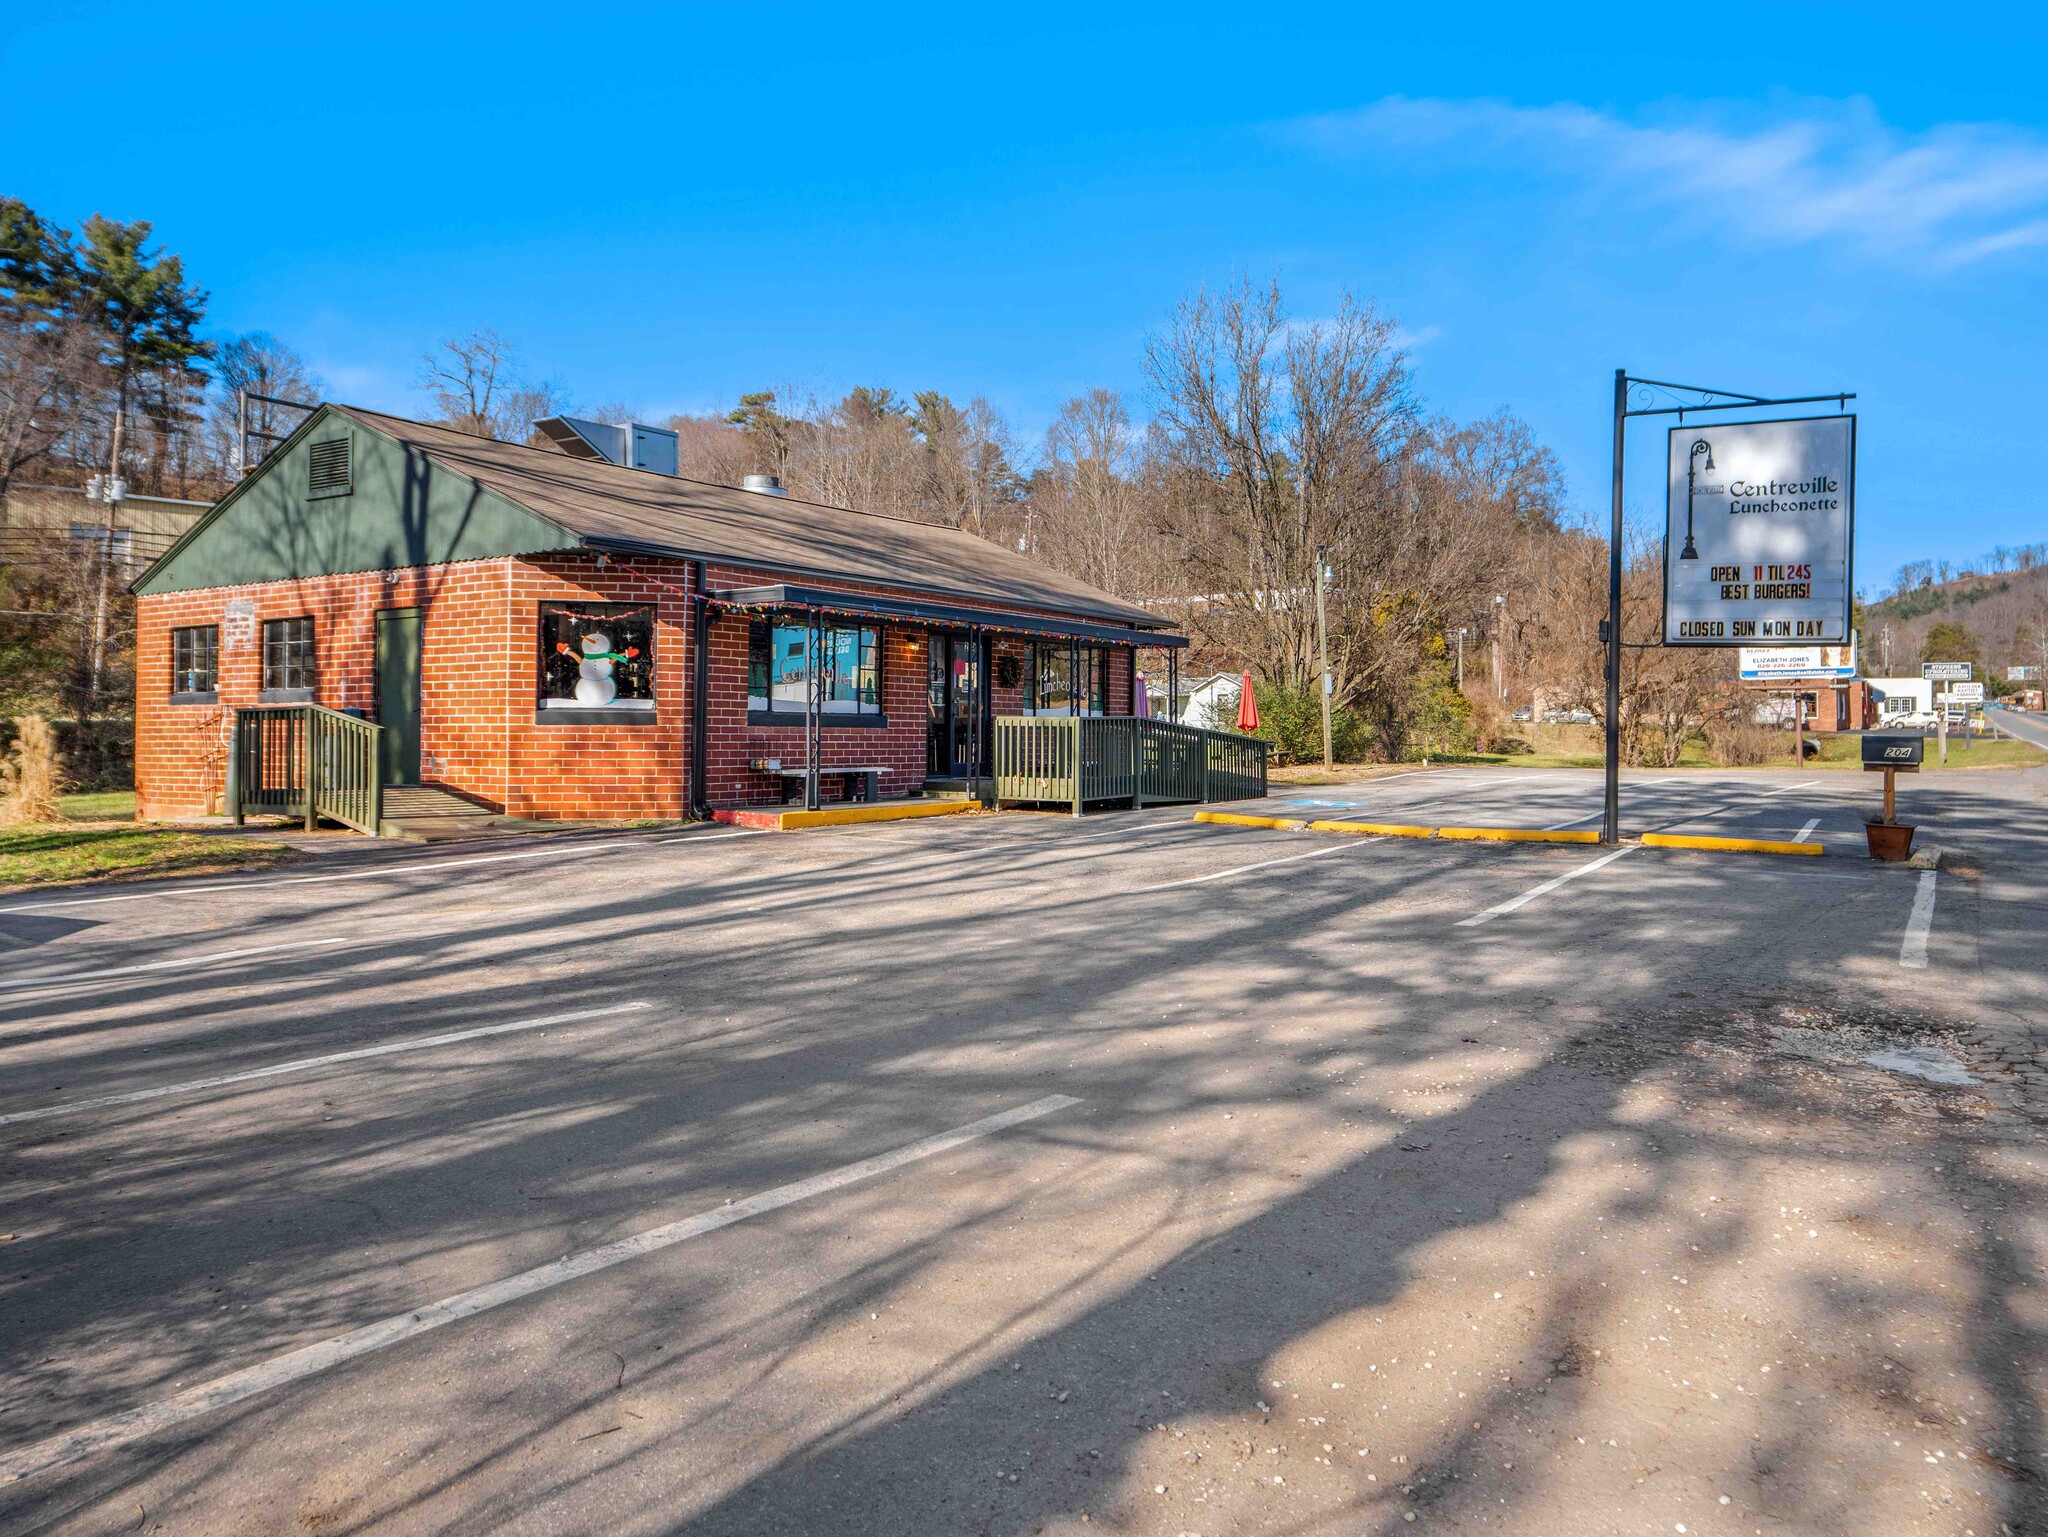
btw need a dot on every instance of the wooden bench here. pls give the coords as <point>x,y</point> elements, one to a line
<point>864,777</point>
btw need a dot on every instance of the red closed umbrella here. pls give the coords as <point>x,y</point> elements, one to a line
<point>1247,704</point>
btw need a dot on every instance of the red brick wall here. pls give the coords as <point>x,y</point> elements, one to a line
<point>479,681</point>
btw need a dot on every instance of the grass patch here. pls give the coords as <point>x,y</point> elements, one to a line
<point>1846,752</point>
<point>107,806</point>
<point>1581,747</point>
<point>54,854</point>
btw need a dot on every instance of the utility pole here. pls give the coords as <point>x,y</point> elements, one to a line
<point>1323,658</point>
<point>1500,628</point>
<point>1886,639</point>
<point>1461,659</point>
<point>112,492</point>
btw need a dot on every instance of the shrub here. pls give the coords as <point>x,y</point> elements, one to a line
<point>1737,741</point>
<point>1439,722</point>
<point>1291,721</point>
<point>30,774</point>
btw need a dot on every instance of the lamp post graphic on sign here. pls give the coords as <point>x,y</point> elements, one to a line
<point>1692,460</point>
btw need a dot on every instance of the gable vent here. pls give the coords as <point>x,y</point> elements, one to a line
<point>327,468</point>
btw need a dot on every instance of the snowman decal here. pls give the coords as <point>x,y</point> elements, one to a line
<point>595,686</point>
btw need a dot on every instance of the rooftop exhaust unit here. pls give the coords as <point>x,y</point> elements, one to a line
<point>633,444</point>
<point>767,485</point>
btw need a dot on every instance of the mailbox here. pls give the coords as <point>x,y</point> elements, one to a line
<point>1894,752</point>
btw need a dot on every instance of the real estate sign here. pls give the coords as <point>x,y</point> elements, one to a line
<point>1766,664</point>
<point>1760,522</point>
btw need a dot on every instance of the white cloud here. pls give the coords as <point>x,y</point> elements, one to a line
<point>1797,173</point>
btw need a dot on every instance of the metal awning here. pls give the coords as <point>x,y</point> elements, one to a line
<point>938,615</point>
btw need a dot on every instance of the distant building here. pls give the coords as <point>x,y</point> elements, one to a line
<point>145,527</point>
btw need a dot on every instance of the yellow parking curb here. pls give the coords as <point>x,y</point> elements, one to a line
<point>1239,819</point>
<point>1520,834</point>
<point>840,816</point>
<point>1732,845</point>
<point>1374,829</point>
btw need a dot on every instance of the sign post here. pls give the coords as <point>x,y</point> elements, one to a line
<point>1759,524</point>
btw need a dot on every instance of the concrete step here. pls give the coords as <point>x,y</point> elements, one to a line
<point>427,811</point>
<point>431,801</point>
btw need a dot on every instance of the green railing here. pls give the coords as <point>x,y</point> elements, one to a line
<point>1079,760</point>
<point>305,760</point>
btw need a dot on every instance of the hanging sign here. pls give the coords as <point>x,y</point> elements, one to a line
<point>1764,664</point>
<point>1760,519</point>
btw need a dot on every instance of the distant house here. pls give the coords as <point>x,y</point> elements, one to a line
<point>1209,703</point>
<point>554,636</point>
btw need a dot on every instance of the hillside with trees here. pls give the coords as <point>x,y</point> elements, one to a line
<point>1994,611</point>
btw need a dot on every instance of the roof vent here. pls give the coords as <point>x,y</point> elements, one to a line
<point>327,468</point>
<point>767,485</point>
<point>635,445</point>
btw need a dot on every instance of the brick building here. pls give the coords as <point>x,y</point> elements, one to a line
<point>561,637</point>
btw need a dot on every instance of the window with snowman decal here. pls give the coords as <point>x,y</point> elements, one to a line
<point>597,656</point>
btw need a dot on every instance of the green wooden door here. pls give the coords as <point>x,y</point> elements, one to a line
<point>398,693</point>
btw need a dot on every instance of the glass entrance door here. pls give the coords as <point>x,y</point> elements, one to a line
<point>957,702</point>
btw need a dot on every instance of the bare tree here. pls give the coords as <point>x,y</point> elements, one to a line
<point>478,386</point>
<point>1088,510</point>
<point>1297,430</point>
<point>49,378</point>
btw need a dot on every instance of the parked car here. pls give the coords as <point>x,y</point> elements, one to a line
<point>1910,720</point>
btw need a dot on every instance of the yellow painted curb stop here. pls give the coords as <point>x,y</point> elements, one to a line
<point>1732,845</point>
<point>837,816</point>
<point>1373,829</point>
<point>1520,834</point>
<point>1239,819</point>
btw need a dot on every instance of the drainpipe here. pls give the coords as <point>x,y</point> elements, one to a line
<point>700,684</point>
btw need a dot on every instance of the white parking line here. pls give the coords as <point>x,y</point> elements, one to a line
<point>1806,831</point>
<point>148,1419</point>
<point>1804,784</point>
<point>1550,885</point>
<point>1217,875</point>
<point>54,979</point>
<point>1919,923</point>
<point>396,868</point>
<point>306,1064</point>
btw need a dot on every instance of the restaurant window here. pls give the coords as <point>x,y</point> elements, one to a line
<point>778,677</point>
<point>195,664</point>
<point>597,662</point>
<point>289,673</point>
<point>1049,681</point>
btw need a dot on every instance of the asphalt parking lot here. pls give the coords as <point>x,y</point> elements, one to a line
<point>1018,1173</point>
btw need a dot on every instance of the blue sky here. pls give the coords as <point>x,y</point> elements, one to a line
<point>670,205</point>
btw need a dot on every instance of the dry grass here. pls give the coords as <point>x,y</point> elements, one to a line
<point>30,774</point>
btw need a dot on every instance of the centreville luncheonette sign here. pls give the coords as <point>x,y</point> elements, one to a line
<point>1760,524</point>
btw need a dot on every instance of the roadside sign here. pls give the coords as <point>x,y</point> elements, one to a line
<point>1966,693</point>
<point>2022,674</point>
<point>1947,672</point>
<point>1759,525</point>
<point>1765,664</point>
